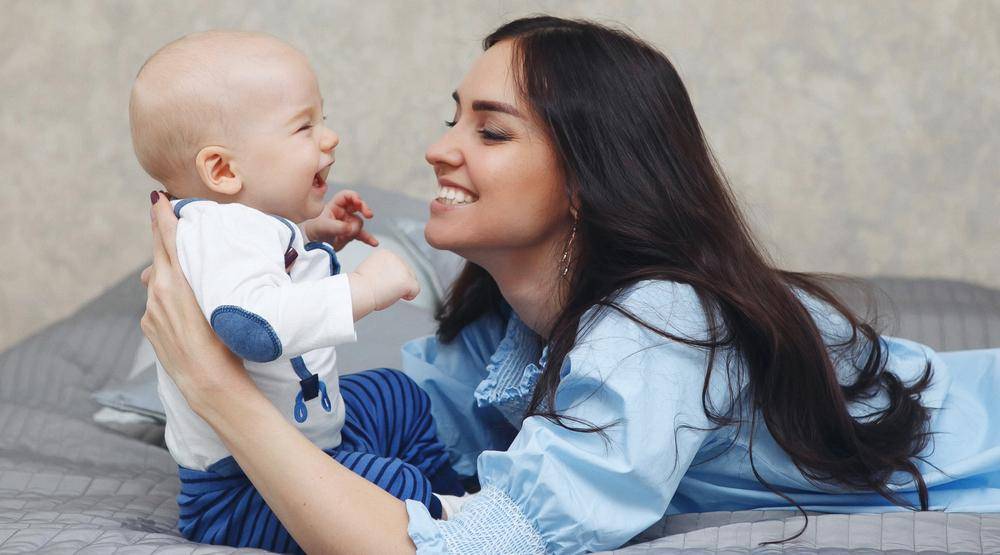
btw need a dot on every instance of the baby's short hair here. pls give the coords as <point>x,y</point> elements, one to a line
<point>179,100</point>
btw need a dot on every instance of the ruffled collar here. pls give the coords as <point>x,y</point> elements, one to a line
<point>513,371</point>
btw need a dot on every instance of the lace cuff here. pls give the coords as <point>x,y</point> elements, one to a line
<point>489,523</point>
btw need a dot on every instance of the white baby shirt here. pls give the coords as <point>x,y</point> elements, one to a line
<point>274,300</point>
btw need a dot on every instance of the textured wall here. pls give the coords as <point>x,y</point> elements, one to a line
<point>862,137</point>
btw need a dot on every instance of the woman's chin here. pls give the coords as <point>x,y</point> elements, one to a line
<point>435,236</point>
<point>445,237</point>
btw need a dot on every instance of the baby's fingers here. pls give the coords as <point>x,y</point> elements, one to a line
<point>351,201</point>
<point>362,206</point>
<point>367,238</point>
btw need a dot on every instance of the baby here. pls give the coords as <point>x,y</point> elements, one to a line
<point>232,125</point>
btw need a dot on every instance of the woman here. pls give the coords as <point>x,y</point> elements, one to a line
<point>617,348</point>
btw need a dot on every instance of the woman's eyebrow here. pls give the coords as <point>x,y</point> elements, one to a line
<point>489,106</point>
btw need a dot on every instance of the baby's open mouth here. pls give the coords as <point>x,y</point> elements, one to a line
<point>455,196</point>
<point>319,180</point>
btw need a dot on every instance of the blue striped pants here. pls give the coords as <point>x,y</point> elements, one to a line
<point>388,438</point>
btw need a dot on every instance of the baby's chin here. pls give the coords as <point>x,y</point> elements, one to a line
<point>313,210</point>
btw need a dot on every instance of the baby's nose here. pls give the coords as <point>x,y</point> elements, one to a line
<point>330,140</point>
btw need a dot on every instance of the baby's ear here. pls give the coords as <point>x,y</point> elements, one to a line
<point>216,170</point>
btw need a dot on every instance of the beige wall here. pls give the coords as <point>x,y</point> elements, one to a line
<point>863,137</point>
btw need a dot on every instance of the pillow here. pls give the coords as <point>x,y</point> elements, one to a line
<point>136,426</point>
<point>439,267</point>
<point>354,253</point>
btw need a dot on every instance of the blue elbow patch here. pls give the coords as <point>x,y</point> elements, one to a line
<point>246,334</point>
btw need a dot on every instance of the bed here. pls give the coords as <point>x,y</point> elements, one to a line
<point>73,482</point>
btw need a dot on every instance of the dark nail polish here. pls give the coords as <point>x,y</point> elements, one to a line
<point>153,197</point>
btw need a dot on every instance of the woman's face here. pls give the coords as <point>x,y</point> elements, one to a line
<point>500,186</point>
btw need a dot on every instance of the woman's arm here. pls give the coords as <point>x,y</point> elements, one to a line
<point>326,507</point>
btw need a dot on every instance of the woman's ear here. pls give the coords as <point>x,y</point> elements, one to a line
<point>217,170</point>
<point>574,205</point>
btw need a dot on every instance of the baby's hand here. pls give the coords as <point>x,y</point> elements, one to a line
<point>381,280</point>
<point>339,224</point>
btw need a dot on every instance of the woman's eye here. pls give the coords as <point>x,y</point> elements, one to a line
<point>450,123</point>
<point>493,134</point>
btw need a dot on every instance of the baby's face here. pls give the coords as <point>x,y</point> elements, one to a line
<point>286,150</point>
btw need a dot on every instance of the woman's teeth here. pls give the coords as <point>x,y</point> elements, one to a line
<point>450,195</point>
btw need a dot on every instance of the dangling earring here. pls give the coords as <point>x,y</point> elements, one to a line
<point>564,262</point>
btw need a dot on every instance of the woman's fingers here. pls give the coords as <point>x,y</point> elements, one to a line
<point>144,276</point>
<point>166,224</point>
<point>160,259</point>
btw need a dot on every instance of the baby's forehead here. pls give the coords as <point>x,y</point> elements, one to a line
<point>243,71</point>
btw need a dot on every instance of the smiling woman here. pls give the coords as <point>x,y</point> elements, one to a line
<point>498,155</point>
<point>617,348</point>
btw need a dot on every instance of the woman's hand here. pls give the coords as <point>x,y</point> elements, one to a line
<point>173,322</point>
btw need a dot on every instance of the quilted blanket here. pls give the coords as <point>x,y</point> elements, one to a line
<point>68,485</point>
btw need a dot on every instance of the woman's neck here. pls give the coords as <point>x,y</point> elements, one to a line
<point>529,279</point>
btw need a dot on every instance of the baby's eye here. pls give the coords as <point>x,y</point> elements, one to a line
<point>304,127</point>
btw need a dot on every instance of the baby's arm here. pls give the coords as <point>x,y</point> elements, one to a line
<point>233,257</point>
<point>379,281</point>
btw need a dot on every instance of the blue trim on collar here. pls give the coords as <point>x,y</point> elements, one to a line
<point>334,263</point>
<point>184,202</point>
<point>291,227</point>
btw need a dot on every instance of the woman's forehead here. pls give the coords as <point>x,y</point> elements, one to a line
<point>490,77</point>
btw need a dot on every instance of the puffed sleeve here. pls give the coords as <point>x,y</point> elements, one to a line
<point>450,373</point>
<point>560,491</point>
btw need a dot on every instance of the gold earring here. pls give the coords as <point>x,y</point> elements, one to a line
<point>564,262</point>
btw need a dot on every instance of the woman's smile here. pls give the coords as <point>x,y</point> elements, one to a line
<point>452,194</point>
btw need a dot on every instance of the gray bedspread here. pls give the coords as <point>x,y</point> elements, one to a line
<point>68,485</point>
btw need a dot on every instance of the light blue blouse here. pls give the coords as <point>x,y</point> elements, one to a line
<point>548,489</point>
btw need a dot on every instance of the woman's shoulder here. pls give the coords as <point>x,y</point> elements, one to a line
<point>670,306</point>
<point>650,324</point>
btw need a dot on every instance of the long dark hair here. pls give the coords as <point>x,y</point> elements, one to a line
<point>653,204</point>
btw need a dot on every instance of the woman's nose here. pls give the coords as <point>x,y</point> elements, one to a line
<point>444,152</point>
